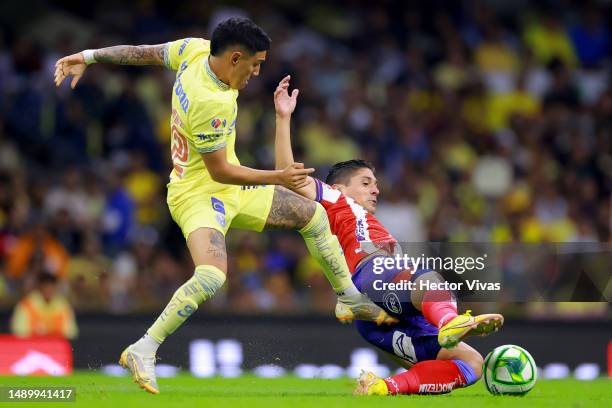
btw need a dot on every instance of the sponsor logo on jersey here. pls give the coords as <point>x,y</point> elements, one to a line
<point>180,93</point>
<point>183,45</point>
<point>216,122</point>
<point>218,205</point>
<point>392,302</point>
<point>209,138</point>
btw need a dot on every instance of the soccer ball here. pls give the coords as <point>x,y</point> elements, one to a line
<point>509,370</point>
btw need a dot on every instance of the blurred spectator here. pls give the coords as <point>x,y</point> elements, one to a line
<point>398,213</point>
<point>548,40</point>
<point>69,197</point>
<point>88,274</point>
<point>315,288</point>
<point>37,252</point>
<point>44,312</point>
<point>591,38</point>
<point>143,185</point>
<point>118,216</point>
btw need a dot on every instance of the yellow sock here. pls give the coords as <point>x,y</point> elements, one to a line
<point>326,249</point>
<point>206,280</point>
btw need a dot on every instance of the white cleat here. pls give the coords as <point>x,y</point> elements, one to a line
<point>142,368</point>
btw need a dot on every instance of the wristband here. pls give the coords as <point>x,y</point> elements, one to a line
<point>88,56</point>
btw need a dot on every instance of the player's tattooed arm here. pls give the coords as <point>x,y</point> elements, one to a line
<point>75,65</point>
<point>289,210</point>
<point>133,54</point>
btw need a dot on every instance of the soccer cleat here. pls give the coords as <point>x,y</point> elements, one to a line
<point>467,325</point>
<point>362,309</point>
<point>142,368</point>
<point>369,383</point>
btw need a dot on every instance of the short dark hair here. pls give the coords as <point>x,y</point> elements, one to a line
<point>239,31</point>
<point>341,173</point>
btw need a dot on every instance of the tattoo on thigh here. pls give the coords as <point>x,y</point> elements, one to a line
<point>289,210</point>
<point>217,245</point>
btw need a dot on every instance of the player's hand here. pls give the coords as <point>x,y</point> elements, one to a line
<point>295,176</point>
<point>72,65</point>
<point>283,102</point>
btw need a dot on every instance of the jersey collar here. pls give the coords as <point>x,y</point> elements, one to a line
<point>214,78</point>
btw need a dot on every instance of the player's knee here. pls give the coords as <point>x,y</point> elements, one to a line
<point>318,213</point>
<point>209,279</point>
<point>317,220</point>
<point>207,247</point>
<point>312,208</point>
<point>290,210</point>
<point>313,212</point>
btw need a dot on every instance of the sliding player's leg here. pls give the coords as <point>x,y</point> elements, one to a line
<point>204,223</point>
<point>278,207</point>
<point>431,369</point>
<point>456,368</point>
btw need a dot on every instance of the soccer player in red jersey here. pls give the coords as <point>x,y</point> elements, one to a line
<point>428,338</point>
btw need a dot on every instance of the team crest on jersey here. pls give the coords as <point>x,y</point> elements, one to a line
<point>392,303</point>
<point>216,122</point>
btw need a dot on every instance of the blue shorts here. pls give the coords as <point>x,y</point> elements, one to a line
<point>413,339</point>
<point>395,302</point>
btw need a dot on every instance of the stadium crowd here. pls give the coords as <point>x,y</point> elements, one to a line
<point>485,123</point>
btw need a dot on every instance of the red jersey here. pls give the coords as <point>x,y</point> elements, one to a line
<point>353,225</point>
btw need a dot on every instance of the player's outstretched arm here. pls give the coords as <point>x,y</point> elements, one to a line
<point>293,176</point>
<point>75,65</point>
<point>284,105</point>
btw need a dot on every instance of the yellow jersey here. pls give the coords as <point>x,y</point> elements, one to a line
<point>203,118</point>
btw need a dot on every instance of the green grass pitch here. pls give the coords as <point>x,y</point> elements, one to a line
<point>95,390</point>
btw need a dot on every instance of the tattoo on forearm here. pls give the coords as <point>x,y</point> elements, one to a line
<point>132,55</point>
<point>289,210</point>
<point>217,245</point>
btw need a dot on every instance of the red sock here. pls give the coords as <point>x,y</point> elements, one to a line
<point>427,377</point>
<point>438,307</point>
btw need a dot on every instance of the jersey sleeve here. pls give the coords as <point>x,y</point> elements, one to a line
<point>209,122</point>
<point>182,50</point>
<point>326,195</point>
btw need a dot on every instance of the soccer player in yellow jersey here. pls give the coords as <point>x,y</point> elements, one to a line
<point>209,191</point>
